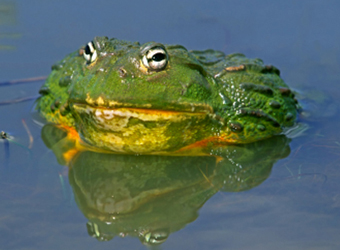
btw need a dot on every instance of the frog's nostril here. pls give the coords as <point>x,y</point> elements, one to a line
<point>122,72</point>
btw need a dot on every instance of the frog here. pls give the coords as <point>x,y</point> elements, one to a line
<point>153,98</point>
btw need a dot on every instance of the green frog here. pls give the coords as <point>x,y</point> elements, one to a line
<point>120,96</point>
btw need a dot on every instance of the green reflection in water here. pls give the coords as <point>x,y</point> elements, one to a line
<point>7,17</point>
<point>150,196</point>
<point>7,13</point>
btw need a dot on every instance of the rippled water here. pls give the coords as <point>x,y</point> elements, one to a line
<point>287,194</point>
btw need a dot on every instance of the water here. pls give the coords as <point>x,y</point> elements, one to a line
<point>292,202</point>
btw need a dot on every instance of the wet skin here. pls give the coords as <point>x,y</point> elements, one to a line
<point>129,98</point>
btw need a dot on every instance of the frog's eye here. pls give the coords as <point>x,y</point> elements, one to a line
<point>155,59</point>
<point>154,238</point>
<point>90,53</point>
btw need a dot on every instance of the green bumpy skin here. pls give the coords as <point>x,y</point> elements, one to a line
<point>130,98</point>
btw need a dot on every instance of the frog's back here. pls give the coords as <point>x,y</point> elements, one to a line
<point>258,103</point>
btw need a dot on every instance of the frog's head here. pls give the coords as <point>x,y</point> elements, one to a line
<point>119,87</point>
<point>119,74</point>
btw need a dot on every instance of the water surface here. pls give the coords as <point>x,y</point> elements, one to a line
<point>287,199</point>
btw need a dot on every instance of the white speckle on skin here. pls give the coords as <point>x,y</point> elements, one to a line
<point>98,115</point>
<point>220,94</point>
<point>108,114</point>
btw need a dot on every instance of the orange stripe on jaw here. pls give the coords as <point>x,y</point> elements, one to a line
<point>214,140</point>
<point>79,144</point>
<point>72,133</point>
<point>197,148</point>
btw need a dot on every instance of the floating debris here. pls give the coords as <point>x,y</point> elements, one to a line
<point>4,135</point>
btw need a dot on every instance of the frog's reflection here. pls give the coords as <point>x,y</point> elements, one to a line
<point>151,196</point>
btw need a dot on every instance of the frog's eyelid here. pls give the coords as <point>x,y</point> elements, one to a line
<point>90,53</point>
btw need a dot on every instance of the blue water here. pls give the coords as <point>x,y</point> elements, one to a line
<point>296,207</point>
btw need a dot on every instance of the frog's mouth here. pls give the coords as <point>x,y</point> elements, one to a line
<point>103,114</point>
<point>106,110</point>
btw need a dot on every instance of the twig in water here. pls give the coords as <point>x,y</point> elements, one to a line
<point>28,133</point>
<point>23,99</point>
<point>26,80</point>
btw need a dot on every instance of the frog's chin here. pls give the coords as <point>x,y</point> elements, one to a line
<point>138,130</point>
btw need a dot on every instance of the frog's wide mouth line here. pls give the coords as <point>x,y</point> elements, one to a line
<point>103,114</point>
<point>146,106</point>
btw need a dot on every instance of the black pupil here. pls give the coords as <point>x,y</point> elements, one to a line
<point>158,57</point>
<point>87,50</point>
